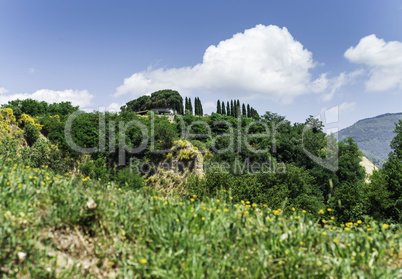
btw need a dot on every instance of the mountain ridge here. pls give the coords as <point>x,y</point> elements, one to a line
<point>373,135</point>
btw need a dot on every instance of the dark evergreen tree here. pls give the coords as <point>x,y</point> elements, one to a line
<point>223,108</point>
<point>196,108</point>
<point>186,107</point>
<point>248,110</point>
<point>244,112</point>
<point>228,112</point>
<point>201,111</point>
<point>238,109</point>
<point>232,110</point>
<point>218,107</point>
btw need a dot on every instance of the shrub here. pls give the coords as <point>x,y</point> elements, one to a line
<point>129,178</point>
<point>295,186</point>
<point>43,153</point>
<point>31,134</point>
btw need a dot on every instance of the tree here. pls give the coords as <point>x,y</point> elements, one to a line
<point>396,143</point>
<point>248,110</point>
<point>218,107</point>
<point>350,197</point>
<point>228,112</point>
<point>139,104</point>
<point>196,110</point>
<point>244,112</point>
<point>385,190</point>
<point>232,109</point>
<point>189,109</point>
<point>169,99</point>
<point>223,108</point>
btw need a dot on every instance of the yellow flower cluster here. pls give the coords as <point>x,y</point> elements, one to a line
<point>86,178</point>
<point>26,119</point>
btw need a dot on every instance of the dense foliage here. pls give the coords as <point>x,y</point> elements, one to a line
<point>385,190</point>
<point>291,166</point>
<point>169,99</point>
<point>293,202</point>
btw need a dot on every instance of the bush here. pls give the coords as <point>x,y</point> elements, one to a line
<point>43,153</point>
<point>31,134</point>
<point>9,148</point>
<point>295,185</point>
<point>129,178</point>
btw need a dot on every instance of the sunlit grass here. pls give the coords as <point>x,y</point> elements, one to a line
<point>141,234</point>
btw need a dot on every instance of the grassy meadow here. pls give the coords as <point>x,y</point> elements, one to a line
<point>66,226</point>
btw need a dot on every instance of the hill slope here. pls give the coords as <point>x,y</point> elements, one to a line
<point>373,135</point>
<point>65,226</point>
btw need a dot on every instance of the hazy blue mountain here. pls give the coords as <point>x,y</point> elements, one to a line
<point>373,135</point>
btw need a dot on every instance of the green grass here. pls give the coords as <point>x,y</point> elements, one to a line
<point>139,235</point>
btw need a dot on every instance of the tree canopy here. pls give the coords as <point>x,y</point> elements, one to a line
<point>168,99</point>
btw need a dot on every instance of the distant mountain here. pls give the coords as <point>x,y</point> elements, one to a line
<point>373,135</point>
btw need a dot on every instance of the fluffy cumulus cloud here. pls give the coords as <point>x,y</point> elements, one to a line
<point>384,60</point>
<point>80,98</point>
<point>114,107</point>
<point>261,62</point>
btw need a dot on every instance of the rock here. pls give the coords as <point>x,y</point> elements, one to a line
<point>368,166</point>
<point>91,205</point>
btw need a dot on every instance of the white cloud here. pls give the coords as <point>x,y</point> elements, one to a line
<point>80,98</point>
<point>346,106</point>
<point>3,91</point>
<point>334,84</point>
<point>209,106</point>
<point>261,62</point>
<point>384,60</point>
<point>114,107</point>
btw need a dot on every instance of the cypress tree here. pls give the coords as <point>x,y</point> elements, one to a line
<point>196,106</point>
<point>248,110</point>
<point>223,108</point>
<point>186,106</point>
<point>232,111</point>
<point>238,109</point>
<point>218,107</point>
<point>201,111</point>
<point>228,112</point>
<point>244,110</point>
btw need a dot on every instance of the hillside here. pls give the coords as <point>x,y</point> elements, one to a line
<point>66,226</point>
<point>373,135</point>
<point>65,214</point>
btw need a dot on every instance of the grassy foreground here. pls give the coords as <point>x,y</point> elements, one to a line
<point>58,226</point>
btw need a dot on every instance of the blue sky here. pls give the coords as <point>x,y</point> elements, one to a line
<point>295,58</point>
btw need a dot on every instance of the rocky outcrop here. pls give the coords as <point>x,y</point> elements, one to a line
<point>369,167</point>
<point>184,161</point>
